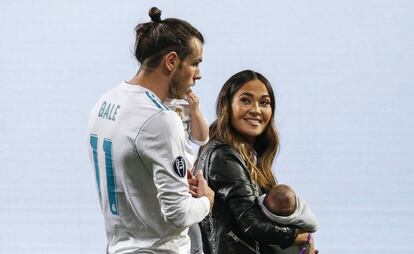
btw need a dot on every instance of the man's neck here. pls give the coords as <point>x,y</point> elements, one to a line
<point>155,81</point>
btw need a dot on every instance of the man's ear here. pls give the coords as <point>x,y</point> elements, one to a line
<point>171,61</point>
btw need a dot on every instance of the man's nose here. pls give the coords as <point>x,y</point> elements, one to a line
<point>197,75</point>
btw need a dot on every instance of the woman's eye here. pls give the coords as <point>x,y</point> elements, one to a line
<point>245,100</point>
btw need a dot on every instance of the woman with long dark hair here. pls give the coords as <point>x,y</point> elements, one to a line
<point>237,164</point>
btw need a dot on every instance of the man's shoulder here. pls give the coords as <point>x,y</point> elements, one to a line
<point>164,118</point>
<point>161,124</point>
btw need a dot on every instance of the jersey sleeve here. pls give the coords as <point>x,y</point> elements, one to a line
<point>161,145</point>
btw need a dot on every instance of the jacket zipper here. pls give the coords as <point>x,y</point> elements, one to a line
<point>237,239</point>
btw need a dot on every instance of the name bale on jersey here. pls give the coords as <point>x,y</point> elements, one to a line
<point>109,110</point>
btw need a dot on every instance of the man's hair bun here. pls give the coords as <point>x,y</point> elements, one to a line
<point>155,14</point>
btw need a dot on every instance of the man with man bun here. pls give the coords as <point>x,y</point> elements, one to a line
<point>137,145</point>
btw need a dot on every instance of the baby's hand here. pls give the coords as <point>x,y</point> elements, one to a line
<point>193,102</point>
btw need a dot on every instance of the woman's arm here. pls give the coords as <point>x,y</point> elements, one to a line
<point>231,181</point>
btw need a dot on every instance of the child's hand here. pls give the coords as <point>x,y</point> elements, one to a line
<point>193,102</point>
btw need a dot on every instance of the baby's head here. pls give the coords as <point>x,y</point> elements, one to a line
<point>280,200</point>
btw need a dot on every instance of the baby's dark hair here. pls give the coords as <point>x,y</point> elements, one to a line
<point>158,37</point>
<point>280,200</point>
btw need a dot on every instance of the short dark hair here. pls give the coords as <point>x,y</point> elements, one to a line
<point>280,200</point>
<point>158,37</point>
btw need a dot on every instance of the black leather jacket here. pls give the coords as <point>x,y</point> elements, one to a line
<point>236,223</point>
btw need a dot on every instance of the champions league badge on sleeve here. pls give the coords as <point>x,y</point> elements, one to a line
<point>179,166</point>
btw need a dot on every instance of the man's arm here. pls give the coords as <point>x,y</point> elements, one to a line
<point>161,144</point>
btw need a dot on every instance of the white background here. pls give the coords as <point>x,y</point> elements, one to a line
<point>343,76</point>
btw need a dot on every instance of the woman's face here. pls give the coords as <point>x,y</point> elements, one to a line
<point>251,109</point>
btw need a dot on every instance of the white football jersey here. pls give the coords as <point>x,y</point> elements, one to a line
<point>137,148</point>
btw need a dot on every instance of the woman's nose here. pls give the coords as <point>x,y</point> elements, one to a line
<point>255,109</point>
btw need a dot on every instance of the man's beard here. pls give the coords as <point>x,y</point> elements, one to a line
<point>176,88</point>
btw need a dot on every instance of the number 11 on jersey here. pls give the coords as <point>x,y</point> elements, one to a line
<point>109,170</point>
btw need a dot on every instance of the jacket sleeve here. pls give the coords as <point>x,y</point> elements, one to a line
<point>229,175</point>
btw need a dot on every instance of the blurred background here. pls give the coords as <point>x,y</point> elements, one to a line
<point>343,76</point>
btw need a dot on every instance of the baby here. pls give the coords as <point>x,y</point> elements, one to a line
<point>282,205</point>
<point>194,123</point>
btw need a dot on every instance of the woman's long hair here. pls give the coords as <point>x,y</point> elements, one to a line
<point>266,145</point>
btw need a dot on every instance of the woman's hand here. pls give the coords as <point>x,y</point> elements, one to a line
<point>192,184</point>
<point>311,247</point>
<point>305,239</point>
<point>198,187</point>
